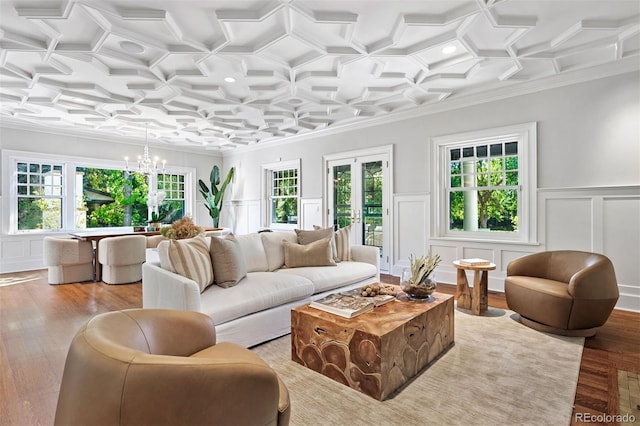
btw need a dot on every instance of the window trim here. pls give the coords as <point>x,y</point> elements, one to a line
<point>526,135</point>
<point>267,170</point>
<point>69,163</point>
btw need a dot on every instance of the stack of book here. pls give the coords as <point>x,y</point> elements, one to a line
<point>474,262</point>
<point>350,304</point>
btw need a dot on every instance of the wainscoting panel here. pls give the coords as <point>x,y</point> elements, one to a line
<point>244,216</point>
<point>21,252</point>
<point>410,229</point>
<point>602,220</point>
<point>568,223</point>
<point>311,209</point>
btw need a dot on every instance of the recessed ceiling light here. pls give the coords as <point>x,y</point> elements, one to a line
<point>230,79</point>
<point>447,50</point>
<point>131,47</point>
<point>295,101</point>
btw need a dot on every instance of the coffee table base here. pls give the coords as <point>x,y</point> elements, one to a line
<point>376,364</point>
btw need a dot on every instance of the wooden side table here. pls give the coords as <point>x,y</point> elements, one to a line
<point>477,301</point>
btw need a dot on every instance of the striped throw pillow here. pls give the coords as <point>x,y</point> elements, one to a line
<point>343,243</point>
<point>189,258</point>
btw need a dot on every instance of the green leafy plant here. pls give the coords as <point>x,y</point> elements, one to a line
<point>213,196</point>
<point>157,217</point>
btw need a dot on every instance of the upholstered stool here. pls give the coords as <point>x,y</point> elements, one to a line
<point>122,258</point>
<point>163,367</point>
<point>68,260</point>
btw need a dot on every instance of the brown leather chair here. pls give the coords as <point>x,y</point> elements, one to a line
<point>563,292</point>
<point>163,367</point>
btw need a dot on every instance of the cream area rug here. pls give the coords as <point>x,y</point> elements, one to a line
<point>498,372</point>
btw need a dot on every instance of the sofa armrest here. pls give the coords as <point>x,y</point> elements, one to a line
<point>167,290</point>
<point>367,254</point>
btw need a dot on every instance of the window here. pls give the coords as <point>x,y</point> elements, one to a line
<point>282,194</point>
<point>173,206</point>
<point>39,195</point>
<point>53,192</point>
<point>485,184</point>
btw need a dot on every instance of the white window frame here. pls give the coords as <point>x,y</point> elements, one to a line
<point>267,184</point>
<point>9,187</point>
<point>526,136</point>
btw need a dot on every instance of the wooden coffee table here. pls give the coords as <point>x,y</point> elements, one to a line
<point>376,352</point>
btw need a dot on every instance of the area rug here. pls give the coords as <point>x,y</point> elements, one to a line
<point>498,372</point>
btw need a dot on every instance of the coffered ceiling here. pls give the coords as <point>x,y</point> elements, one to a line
<point>222,74</point>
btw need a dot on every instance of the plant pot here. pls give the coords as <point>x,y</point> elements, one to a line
<point>421,290</point>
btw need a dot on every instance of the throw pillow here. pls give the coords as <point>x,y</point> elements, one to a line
<point>228,262</point>
<point>343,243</point>
<point>253,252</point>
<point>318,233</point>
<point>317,253</point>
<point>189,258</point>
<point>273,248</point>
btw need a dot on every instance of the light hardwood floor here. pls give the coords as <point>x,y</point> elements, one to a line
<point>38,321</point>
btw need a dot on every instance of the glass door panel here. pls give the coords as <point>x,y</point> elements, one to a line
<point>356,188</point>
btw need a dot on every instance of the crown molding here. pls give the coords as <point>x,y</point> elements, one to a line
<point>101,137</point>
<point>567,78</point>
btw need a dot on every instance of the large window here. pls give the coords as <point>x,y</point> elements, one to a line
<point>485,184</point>
<point>282,188</point>
<point>52,192</point>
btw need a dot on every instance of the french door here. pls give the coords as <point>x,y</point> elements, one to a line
<point>358,195</point>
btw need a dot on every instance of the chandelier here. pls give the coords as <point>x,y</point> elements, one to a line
<point>146,166</point>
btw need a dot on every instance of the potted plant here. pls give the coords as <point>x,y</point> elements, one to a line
<point>213,195</point>
<point>156,221</point>
<point>181,228</point>
<point>417,282</point>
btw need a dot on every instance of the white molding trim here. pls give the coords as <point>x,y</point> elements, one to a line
<point>104,137</point>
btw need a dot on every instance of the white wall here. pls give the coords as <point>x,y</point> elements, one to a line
<point>24,252</point>
<point>588,138</point>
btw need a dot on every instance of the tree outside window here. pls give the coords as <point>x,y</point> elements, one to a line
<point>484,184</point>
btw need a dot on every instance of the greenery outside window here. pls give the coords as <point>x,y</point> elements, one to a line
<point>40,188</point>
<point>485,185</point>
<point>173,185</point>
<point>54,192</point>
<point>282,194</point>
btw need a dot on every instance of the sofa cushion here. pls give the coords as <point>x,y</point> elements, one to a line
<point>253,252</point>
<point>317,253</point>
<point>272,242</point>
<point>256,292</point>
<point>343,243</point>
<point>318,233</point>
<point>228,262</point>
<point>189,258</point>
<point>327,278</point>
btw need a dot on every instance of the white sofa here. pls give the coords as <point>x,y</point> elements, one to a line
<point>258,308</point>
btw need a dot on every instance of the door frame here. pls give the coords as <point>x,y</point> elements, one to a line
<point>387,150</point>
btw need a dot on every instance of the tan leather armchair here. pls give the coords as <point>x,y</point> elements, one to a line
<point>563,292</point>
<point>163,367</point>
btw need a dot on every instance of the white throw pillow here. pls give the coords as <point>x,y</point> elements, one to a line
<point>253,252</point>
<point>272,242</point>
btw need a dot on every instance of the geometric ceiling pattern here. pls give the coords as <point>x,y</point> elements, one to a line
<point>222,74</point>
